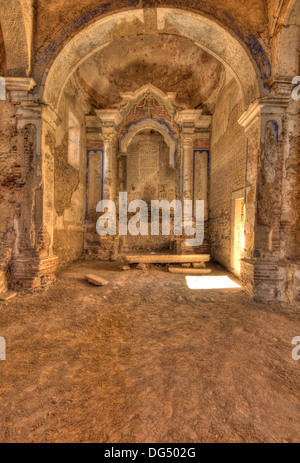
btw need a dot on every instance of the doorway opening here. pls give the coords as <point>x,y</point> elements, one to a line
<point>238,233</point>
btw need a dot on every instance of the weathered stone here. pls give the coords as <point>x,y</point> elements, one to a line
<point>167,258</point>
<point>96,281</point>
<point>143,267</point>
<point>126,267</point>
<point>198,265</point>
<point>7,296</point>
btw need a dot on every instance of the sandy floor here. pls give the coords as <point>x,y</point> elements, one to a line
<point>146,359</point>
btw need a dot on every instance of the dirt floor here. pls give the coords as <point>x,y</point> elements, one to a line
<point>146,359</point>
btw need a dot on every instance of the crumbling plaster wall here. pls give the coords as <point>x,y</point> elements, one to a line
<point>69,180</point>
<point>227,170</point>
<point>290,214</point>
<point>284,36</point>
<point>16,189</point>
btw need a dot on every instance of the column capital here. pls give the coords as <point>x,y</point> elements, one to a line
<point>19,88</point>
<point>109,135</point>
<point>282,86</point>
<point>265,108</point>
<point>187,140</point>
<point>109,117</point>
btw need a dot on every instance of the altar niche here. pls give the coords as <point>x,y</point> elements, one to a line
<point>148,173</point>
<point>148,176</point>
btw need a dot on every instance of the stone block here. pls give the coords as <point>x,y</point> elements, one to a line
<point>96,281</point>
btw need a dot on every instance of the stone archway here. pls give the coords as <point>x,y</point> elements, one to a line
<point>250,67</point>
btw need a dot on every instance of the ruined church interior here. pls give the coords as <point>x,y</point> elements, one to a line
<point>149,337</point>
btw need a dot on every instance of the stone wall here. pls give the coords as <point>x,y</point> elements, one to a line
<point>149,176</point>
<point>12,184</point>
<point>24,252</point>
<point>69,179</point>
<point>227,171</point>
<point>290,214</point>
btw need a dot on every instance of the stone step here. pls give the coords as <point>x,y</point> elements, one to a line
<point>166,258</point>
<point>190,271</point>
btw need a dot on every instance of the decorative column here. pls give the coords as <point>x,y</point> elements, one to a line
<point>262,270</point>
<point>193,126</point>
<point>187,148</point>
<point>110,120</point>
<point>195,137</point>
<point>109,166</point>
<point>33,263</point>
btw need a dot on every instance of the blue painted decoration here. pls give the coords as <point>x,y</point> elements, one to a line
<point>101,152</point>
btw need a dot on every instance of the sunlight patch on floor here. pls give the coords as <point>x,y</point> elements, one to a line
<point>212,282</point>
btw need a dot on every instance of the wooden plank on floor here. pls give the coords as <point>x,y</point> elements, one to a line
<point>167,259</point>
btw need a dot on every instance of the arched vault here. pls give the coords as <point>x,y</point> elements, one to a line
<point>227,47</point>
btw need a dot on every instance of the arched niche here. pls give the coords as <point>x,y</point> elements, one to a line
<point>150,124</point>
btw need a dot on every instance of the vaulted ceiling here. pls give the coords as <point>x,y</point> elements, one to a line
<point>171,63</point>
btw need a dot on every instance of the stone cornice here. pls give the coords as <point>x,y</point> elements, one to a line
<point>191,119</point>
<point>109,117</point>
<point>274,106</point>
<point>20,83</point>
<point>19,88</point>
<point>282,86</point>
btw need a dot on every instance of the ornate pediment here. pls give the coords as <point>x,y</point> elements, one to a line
<point>148,103</point>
